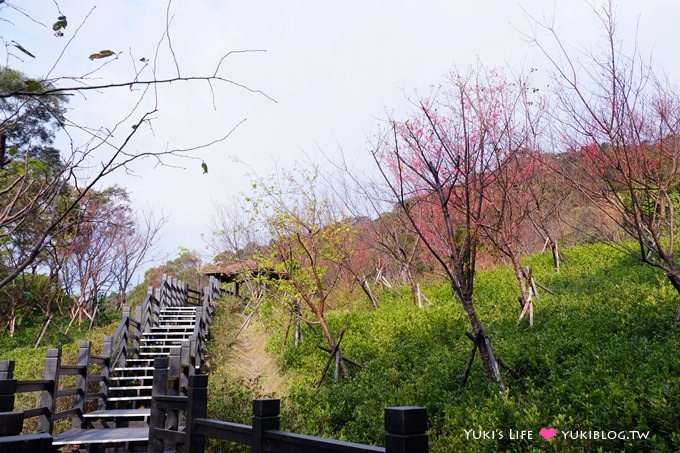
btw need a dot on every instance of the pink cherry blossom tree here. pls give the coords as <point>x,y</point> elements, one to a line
<point>442,164</point>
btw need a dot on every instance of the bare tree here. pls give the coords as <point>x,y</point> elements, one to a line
<point>91,252</point>
<point>95,151</point>
<point>389,248</point>
<point>132,251</point>
<point>441,165</point>
<point>234,231</point>
<point>620,120</point>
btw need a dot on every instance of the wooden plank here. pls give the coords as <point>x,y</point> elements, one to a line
<point>130,378</point>
<point>32,442</point>
<point>35,412</point>
<point>216,429</point>
<point>169,435</point>
<point>131,387</point>
<point>129,398</point>
<point>34,386</point>
<point>70,392</point>
<point>101,436</point>
<point>118,413</point>
<point>285,441</point>
<point>11,423</point>
<point>72,370</point>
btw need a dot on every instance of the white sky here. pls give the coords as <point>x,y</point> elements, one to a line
<point>334,68</point>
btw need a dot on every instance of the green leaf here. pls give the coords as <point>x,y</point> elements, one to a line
<point>21,48</point>
<point>60,23</point>
<point>101,54</point>
<point>204,166</point>
<point>39,165</point>
<point>33,86</point>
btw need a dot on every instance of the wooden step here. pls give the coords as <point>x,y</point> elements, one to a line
<point>133,368</point>
<point>169,328</point>
<point>163,347</point>
<point>131,387</point>
<point>101,436</point>
<point>110,399</point>
<point>129,378</point>
<point>119,413</point>
<point>154,334</point>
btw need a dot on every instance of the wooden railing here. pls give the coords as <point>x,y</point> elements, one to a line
<point>52,389</point>
<point>179,394</point>
<point>406,427</point>
<point>124,343</point>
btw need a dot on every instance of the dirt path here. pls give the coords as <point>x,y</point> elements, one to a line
<point>249,360</point>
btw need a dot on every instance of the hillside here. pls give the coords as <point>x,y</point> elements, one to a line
<point>602,360</point>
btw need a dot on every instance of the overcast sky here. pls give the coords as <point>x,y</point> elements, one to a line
<point>334,68</point>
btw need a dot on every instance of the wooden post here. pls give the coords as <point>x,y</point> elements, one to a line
<point>157,418</point>
<point>6,369</point>
<point>185,365</point>
<point>172,416</point>
<point>156,307</point>
<point>81,382</point>
<point>193,354</point>
<point>197,407</point>
<point>8,386</point>
<point>126,320</point>
<point>48,398</point>
<point>406,428</point>
<point>265,417</point>
<point>107,349</point>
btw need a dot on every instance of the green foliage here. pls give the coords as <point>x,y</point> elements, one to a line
<point>229,398</point>
<point>603,355</point>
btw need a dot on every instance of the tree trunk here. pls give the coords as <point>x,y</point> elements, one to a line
<point>524,285</point>
<point>11,325</point>
<point>43,330</point>
<point>489,362</point>
<point>674,277</point>
<point>555,254</point>
<point>331,342</point>
<point>298,327</point>
<point>367,289</point>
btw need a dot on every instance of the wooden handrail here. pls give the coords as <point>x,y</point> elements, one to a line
<point>406,427</point>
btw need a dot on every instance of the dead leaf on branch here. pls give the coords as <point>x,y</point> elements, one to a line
<point>101,54</point>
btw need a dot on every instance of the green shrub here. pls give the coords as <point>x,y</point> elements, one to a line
<point>603,355</point>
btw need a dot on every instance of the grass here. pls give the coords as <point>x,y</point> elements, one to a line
<point>603,355</point>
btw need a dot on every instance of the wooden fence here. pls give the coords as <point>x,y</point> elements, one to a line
<point>406,426</point>
<point>178,413</point>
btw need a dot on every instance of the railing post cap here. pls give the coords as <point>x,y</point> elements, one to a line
<point>266,407</point>
<point>405,420</point>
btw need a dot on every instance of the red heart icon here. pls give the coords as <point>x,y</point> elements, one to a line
<point>548,433</point>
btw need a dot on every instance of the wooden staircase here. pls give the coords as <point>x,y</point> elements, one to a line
<point>166,326</point>
<point>130,384</point>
